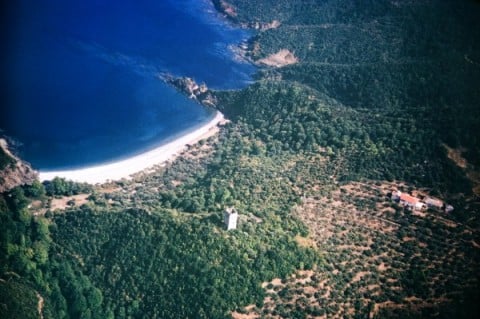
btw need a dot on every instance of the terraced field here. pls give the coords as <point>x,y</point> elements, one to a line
<point>380,259</point>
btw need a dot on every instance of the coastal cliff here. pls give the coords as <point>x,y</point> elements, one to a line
<point>13,171</point>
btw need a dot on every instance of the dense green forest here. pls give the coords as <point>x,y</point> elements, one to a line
<point>165,264</point>
<point>379,89</point>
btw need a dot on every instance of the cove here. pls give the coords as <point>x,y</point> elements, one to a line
<point>79,79</point>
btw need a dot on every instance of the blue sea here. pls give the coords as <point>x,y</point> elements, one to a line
<point>79,79</point>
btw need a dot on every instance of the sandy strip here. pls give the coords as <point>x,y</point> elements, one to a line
<point>137,163</point>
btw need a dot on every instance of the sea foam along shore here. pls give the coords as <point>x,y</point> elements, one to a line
<point>125,168</point>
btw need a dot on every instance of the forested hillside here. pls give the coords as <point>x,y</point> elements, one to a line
<point>381,95</point>
<point>387,92</point>
<point>394,64</point>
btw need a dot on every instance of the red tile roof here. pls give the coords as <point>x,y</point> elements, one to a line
<point>409,199</point>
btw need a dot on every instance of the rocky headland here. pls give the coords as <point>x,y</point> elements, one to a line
<point>192,89</point>
<point>13,172</point>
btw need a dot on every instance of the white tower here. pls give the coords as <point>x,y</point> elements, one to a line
<point>230,217</point>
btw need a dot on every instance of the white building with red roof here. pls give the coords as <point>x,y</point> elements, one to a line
<point>410,201</point>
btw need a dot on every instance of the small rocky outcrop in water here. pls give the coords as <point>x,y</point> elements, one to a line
<point>14,172</point>
<point>230,12</point>
<point>199,92</point>
<point>226,8</point>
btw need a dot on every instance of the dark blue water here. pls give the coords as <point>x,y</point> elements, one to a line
<point>80,80</point>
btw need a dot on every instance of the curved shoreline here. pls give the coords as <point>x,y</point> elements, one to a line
<point>126,167</point>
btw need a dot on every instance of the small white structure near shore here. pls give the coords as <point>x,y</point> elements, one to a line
<point>230,217</point>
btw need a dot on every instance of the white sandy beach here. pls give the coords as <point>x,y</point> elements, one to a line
<point>125,168</point>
